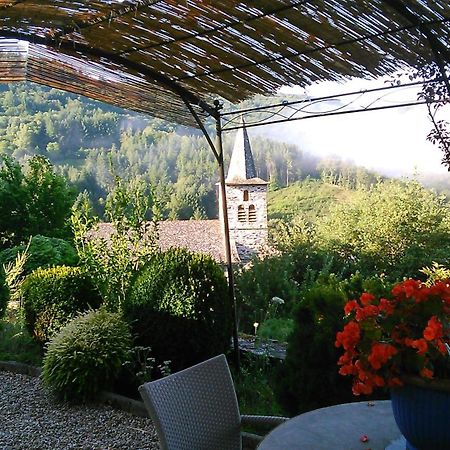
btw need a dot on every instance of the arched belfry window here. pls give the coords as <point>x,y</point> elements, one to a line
<point>245,196</point>
<point>252,213</point>
<point>241,213</point>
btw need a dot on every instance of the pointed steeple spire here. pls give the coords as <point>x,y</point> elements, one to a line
<point>242,165</point>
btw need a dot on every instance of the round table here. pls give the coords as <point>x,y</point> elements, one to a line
<point>340,427</point>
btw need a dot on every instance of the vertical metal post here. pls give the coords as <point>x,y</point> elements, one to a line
<point>226,229</point>
<point>218,154</point>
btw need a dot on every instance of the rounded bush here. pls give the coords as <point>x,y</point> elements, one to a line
<point>309,377</point>
<point>4,292</point>
<point>42,252</point>
<point>53,296</point>
<point>178,305</point>
<point>86,355</point>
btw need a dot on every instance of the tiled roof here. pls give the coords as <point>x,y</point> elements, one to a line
<point>241,181</point>
<point>200,236</point>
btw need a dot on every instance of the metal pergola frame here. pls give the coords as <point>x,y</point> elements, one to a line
<point>224,121</point>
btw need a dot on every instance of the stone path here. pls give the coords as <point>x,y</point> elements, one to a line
<point>270,348</point>
<point>30,419</point>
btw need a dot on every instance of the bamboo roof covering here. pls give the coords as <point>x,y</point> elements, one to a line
<point>155,56</point>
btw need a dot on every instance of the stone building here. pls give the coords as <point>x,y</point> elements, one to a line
<point>246,200</point>
<point>247,214</point>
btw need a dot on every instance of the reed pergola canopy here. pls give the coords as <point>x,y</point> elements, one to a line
<point>158,56</point>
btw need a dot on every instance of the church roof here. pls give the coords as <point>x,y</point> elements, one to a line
<point>242,165</point>
<point>242,182</point>
<point>199,236</point>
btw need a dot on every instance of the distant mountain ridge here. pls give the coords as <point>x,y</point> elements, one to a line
<point>89,142</point>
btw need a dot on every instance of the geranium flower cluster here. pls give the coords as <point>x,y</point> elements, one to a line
<point>406,334</point>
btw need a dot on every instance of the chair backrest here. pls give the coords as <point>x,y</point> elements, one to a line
<point>196,408</point>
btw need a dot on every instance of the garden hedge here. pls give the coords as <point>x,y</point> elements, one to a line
<point>178,305</point>
<point>309,377</point>
<point>42,252</point>
<point>53,296</point>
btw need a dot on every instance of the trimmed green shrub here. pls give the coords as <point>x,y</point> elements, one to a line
<point>278,329</point>
<point>53,296</point>
<point>42,252</point>
<point>178,305</point>
<point>4,292</point>
<point>258,285</point>
<point>86,355</point>
<point>309,377</point>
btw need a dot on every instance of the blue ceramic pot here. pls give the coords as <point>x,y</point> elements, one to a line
<point>422,413</point>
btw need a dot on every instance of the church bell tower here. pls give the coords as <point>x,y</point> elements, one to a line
<point>246,199</point>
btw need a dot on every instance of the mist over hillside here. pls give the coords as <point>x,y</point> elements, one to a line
<point>90,142</point>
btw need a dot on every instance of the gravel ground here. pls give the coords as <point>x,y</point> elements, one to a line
<point>31,420</point>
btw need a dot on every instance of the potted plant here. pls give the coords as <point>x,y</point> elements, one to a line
<point>402,342</point>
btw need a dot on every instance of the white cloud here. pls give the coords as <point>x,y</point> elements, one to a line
<point>392,141</point>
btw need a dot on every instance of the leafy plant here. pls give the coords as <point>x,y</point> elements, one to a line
<point>254,385</point>
<point>16,343</point>
<point>86,355</point>
<point>308,379</point>
<point>142,366</point>
<point>178,306</point>
<point>406,334</point>
<point>13,273</point>
<point>257,285</point>
<point>41,251</point>
<point>112,255</point>
<point>4,292</point>
<point>274,328</point>
<point>437,272</point>
<point>32,200</point>
<point>52,296</point>
<point>394,228</point>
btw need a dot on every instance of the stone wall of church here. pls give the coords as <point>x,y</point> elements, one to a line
<point>249,242</point>
<point>247,217</point>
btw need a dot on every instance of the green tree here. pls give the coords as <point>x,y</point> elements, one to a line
<point>396,227</point>
<point>34,201</point>
<point>14,201</point>
<point>51,199</point>
<point>113,253</point>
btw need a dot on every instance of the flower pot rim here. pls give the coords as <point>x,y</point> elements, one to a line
<point>437,384</point>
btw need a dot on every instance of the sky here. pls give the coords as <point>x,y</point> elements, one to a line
<point>392,141</point>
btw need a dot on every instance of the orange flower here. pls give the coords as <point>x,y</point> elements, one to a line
<point>394,382</point>
<point>349,337</point>
<point>366,299</point>
<point>362,388</point>
<point>386,306</point>
<point>409,287</point>
<point>350,306</point>
<point>426,373</point>
<point>386,337</point>
<point>366,312</point>
<point>380,354</point>
<point>419,344</point>
<point>434,329</point>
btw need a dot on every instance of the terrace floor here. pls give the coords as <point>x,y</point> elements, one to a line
<point>30,419</point>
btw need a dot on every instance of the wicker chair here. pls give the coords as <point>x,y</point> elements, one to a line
<point>197,409</point>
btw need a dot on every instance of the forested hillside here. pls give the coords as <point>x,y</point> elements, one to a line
<point>90,142</point>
